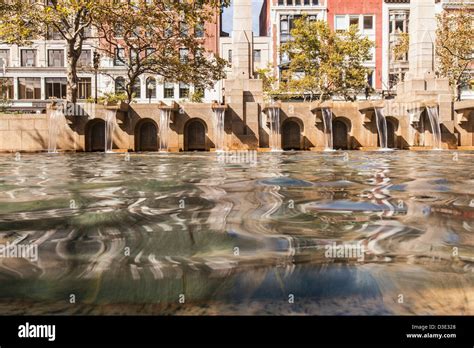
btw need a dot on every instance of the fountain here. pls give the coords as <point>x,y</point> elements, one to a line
<point>381,127</point>
<point>164,128</point>
<point>328,136</point>
<point>274,121</point>
<point>110,122</point>
<point>433,116</point>
<point>54,125</point>
<point>219,116</point>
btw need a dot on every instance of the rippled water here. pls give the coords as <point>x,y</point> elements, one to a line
<point>132,237</point>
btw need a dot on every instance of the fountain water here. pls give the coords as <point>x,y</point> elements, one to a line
<point>219,116</point>
<point>328,136</point>
<point>164,128</point>
<point>381,128</point>
<point>110,122</point>
<point>274,118</point>
<point>435,126</point>
<point>54,125</point>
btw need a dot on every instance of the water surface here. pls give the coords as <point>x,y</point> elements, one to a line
<point>144,235</point>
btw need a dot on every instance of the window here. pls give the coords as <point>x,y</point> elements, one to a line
<point>150,87</point>
<point>119,59</point>
<point>169,31</point>
<point>85,59</point>
<point>87,33</point>
<point>340,23</point>
<point>368,22</point>
<point>354,20</point>
<point>134,56</point>
<point>168,90</point>
<point>199,31</point>
<point>137,89</point>
<point>4,58</point>
<point>28,58</point>
<point>284,26</point>
<point>399,25</point>
<point>55,58</point>
<point>183,55</point>
<point>29,88</point>
<point>229,56</point>
<point>54,34</point>
<point>372,54</point>
<point>118,31</point>
<point>149,52</point>
<point>84,88</point>
<point>257,56</point>
<point>183,29</point>
<point>120,85</point>
<point>6,88</point>
<point>183,90</point>
<point>56,87</point>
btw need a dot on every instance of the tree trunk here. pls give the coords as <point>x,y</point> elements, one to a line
<point>72,58</point>
<point>129,90</point>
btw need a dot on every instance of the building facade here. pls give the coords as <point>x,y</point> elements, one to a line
<point>367,16</point>
<point>30,76</point>
<point>282,14</point>
<point>396,21</point>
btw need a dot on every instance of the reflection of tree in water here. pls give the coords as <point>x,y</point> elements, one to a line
<point>190,251</point>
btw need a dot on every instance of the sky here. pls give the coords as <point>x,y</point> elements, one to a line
<point>227,17</point>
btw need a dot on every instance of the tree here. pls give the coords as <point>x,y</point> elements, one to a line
<point>401,47</point>
<point>269,81</point>
<point>24,21</point>
<point>324,63</point>
<point>164,38</point>
<point>455,47</point>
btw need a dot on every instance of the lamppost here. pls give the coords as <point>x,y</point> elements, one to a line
<point>96,62</point>
<point>150,89</point>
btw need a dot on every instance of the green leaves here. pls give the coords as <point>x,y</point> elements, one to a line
<point>325,63</point>
<point>455,46</point>
<point>402,46</point>
<point>160,39</point>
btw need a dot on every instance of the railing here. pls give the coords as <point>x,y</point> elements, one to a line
<point>457,3</point>
<point>300,3</point>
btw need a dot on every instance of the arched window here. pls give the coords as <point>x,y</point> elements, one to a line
<point>119,85</point>
<point>151,87</point>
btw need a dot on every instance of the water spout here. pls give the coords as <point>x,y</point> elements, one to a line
<point>110,122</point>
<point>164,129</point>
<point>328,135</point>
<point>435,126</point>
<point>274,119</point>
<point>219,116</point>
<point>54,126</point>
<point>381,128</point>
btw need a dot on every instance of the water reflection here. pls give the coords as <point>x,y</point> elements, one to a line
<point>132,236</point>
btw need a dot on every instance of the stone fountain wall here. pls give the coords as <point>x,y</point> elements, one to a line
<point>29,132</point>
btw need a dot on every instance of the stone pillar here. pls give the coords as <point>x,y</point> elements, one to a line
<point>242,40</point>
<point>422,37</point>
<point>243,94</point>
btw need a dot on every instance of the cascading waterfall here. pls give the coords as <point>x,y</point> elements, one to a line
<point>435,126</point>
<point>381,128</point>
<point>54,125</point>
<point>219,116</point>
<point>164,129</point>
<point>274,118</point>
<point>328,136</point>
<point>110,122</point>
